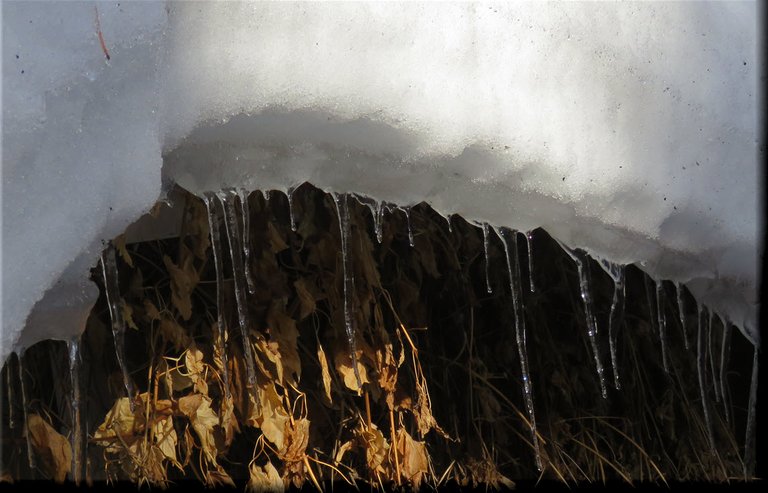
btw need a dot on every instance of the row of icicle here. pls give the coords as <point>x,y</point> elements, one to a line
<point>225,204</point>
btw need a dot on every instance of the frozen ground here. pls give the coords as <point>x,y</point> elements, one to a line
<point>629,130</point>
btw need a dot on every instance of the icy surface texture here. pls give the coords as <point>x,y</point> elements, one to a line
<point>628,130</point>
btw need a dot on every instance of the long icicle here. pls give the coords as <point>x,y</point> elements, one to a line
<point>711,357</point>
<point>379,225</point>
<point>291,212</point>
<point>681,312</point>
<point>76,439</point>
<point>725,350</point>
<point>112,287</point>
<point>245,214</point>
<point>749,439</point>
<point>486,241</point>
<point>450,226</point>
<point>649,294</point>
<point>582,265</point>
<point>616,317</point>
<point>407,211</point>
<point>702,392</point>
<point>9,382</point>
<point>513,268</point>
<point>221,335</point>
<point>662,323</point>
<point>342,209</point>
<point>235,249</point>
<point>24,403</point>
<point>529,246</point>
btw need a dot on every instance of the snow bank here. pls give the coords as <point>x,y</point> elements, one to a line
<point>627,129</point>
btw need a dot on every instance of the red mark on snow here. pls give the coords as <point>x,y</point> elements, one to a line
<point>101,36</point>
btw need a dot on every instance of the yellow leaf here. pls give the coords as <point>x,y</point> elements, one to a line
<point>343,361</point>
<point>269,415</point>
<point>376,450</point>
<point>228,420</point>
<point>50,446</point>
<point>127,311</point>
<point>174,333</point>
<point>184,279</point>
<point>264,479</point>
<point>276,242</point>
<point>166,439</point>
<point>306,300</point>
<point>119,243</point>
<point>193,360</point>
<point>325,371</point>
<point>296,440</point>
<point>197,408</point>
<point>412,457</point>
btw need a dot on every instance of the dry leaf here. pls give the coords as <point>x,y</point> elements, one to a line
<point>127,311</point>
<point>218,477</point>
<point>269,415</point>
<point>376,450</point>
<point>343,362</point>
<point>166,439</point>
<point>151,310</point>
<point>306,300</point>
<point>276,242</point>
<point>229,423</point>
<point>184,279</point>
<point>197,408</point>
<point>283,345</point>
<point>325,371</point>
<point>174,333</point>
<point>51,447</point>
<point>264,479</point>
<point>412,457</point>
<point>119,243</point>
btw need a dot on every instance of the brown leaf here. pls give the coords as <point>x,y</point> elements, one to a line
<point>127,311</point>
<point>184,279</point>
<point>343,362</point>
<point>306,300</point>
<point>376,450</point>
<point>218,477</point>
<point>269,415</point>
<point>151,310</point>
<point>50,446</point>
<point>276,242</point>
<point>197,408</point>
<point>174,333</point>
<point>264,479</point>
<point>412,457</point>
<point>325,372</point>
<point>229,423</point>
<point>166,439</point>
<point>119,243</point>
<point>283,345</point>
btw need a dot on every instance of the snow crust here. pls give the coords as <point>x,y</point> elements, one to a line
<point>626,129</point>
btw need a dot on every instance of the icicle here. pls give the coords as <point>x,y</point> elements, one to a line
<point>681,311</point>
<point>450,226</point>
<point>342,209</point>
<point>529,245</point>
<point>379,224</point>
<point>291,213</point>
<point>711,356</point>
<point>246,216</point>
<point>112,287</point>
<point>582,264</point>
<point>749,440</point>
<point>725,350</point>
<point>616,317</point>
<point>76,439</point>
<point>267,194</point>
<point>233,238</point>
<point>650,297</point>
<point>24,403</point>
<point>486,242</point>
<point>221,336</point>
<point>700,370</point>
<point>662,324</point>
<point>513,268</point>
<point>407,211</point>
<point>11,393</point>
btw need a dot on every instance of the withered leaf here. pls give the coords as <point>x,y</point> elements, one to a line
<point>412,456</point>
<point>306,300</point>
<point>198,409</point>
<point>119,243</point>
<point>127,311</point>
<point>325,372</point>
<point>269,415</point>
<point>50,446</point>
<point>343,362</point>
<point>184,279</point>
<point>264,479</point>
<point>276,242</point>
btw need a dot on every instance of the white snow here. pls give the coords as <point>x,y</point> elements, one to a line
<point>627,129</point>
